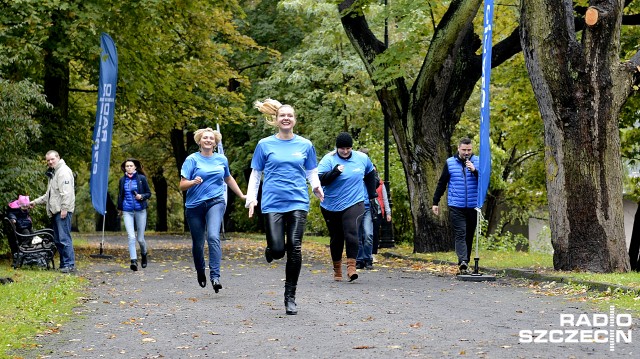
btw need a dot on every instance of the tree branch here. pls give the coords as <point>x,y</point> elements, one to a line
<point>506,49</point>
<point>82,90</point>
<point>368,48</point>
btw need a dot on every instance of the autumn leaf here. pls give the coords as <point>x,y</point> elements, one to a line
<point>363,347</point>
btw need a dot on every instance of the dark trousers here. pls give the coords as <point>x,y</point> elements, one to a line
<point>343,229</point>
<point>292,224</point>
<point>463,224</point>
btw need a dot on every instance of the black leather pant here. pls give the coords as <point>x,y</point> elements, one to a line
<point>292,224</point>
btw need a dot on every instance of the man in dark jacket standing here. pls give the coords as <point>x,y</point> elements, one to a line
<point>460,176</point>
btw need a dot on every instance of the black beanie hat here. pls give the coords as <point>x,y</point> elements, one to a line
<point>344,140</point>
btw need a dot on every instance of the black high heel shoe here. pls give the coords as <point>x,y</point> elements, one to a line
<point>216,284</point>
<point>202,279</point>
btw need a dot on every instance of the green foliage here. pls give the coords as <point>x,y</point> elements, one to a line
<point>507,242</point>
<point>21,170</point>
<point>179,68</point>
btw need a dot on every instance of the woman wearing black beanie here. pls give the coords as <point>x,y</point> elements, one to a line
<point>342,173</point>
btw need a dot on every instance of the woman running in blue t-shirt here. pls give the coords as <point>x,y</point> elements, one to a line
<point>342,173</point>
<point>287,162</point>
<point>203,176</point>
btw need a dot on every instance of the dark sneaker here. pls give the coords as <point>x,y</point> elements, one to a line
<point>359,265</point>
<point>463,267</point>
<point>67,270</point>
<point>368,266</point>
<point>267,255</point>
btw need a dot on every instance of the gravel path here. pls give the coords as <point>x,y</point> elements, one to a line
<point>390,312</point>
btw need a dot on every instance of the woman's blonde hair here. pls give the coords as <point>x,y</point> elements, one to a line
<point>270,108</point>
<point>197,136</point>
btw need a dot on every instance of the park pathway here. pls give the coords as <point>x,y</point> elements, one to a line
<point>391,312</point>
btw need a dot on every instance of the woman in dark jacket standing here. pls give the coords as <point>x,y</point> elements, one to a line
<point>133,193</point>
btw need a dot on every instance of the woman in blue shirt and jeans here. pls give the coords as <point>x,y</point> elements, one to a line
<point>133,193</point>
<point>203,176</point>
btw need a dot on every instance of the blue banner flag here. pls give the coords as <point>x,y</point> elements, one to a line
<point>485,149</point>
<point>102,131</point>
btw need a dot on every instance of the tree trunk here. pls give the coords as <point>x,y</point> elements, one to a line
<point>424,117</point>
<point>580,91</point>
<point>161,189</point>
<point>180,152</point>
<point>634,246</point>
<point>56,88</point>
<point>111,218</point>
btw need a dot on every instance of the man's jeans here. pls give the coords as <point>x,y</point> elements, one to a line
<point>207,219</point>
<point>140,218</point>
<point>365,235</point>
<point>62,240</point>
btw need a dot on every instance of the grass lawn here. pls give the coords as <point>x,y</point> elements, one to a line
<point>39,301</point>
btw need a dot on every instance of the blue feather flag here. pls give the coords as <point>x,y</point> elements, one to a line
<point>103,129</point>
<point>485,148</point>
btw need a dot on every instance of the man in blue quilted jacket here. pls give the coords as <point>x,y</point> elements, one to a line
<point>460,176</point>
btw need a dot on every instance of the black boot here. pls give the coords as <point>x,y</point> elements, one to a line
<point>267,255</point>
<point>134,265</point>
<point>202,278</point>
<point>290,299</point>
<point>144,260</point>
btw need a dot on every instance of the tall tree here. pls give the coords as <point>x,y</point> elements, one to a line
<point>581,84</point>
<point>423,115</point>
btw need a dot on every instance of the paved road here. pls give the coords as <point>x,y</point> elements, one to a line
<point>161,312</point>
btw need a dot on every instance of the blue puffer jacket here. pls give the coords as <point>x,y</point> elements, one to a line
<point>463,185</point>
<point>141,187</point>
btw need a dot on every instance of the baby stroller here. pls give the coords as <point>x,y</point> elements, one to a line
<point>36,248</point>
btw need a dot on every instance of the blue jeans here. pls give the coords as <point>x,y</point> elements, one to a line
<point>365,238</point>
<point>62,240</point>
<point>206,218</point>
<point>140,218</point>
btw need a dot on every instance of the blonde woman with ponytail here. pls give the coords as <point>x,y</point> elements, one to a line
<point>287,162</point>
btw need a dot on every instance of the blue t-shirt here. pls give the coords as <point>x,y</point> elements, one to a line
<point>213,170</point>
<point>284,164</point>
<point>346,189</point>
